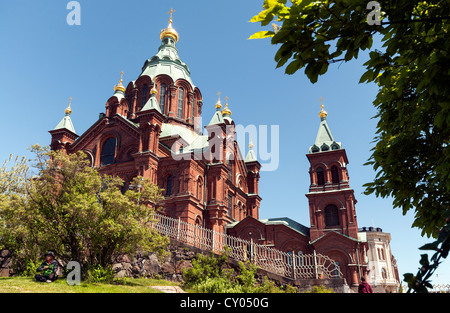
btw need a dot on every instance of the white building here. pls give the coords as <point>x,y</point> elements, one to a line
<point>383,272</point>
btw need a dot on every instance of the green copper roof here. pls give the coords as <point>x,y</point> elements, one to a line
<point>167,62</point>
<point>152,103</point>
<point>251,156</point>
<point>66,123</point>
<point>324,140</point>
<point>217,118</point>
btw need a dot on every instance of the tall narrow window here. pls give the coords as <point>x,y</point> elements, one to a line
<point>108,151</point>
<point>331,215</point>
<point>193,110</point>
<point>230,203</point>
<point>180,102</point>
<point>144,95</point>
<point>162,97</point>
<point>334,174</point>
<point>169,185</point>
<point>320,176</point>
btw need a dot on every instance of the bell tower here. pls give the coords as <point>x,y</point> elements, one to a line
<point>331,200</point>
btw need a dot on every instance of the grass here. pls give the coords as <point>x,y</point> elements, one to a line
<point>123,285</point>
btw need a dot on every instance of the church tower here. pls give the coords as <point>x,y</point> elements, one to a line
<point>331,200</point>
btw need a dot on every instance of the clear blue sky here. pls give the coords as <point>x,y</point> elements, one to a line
<point>44,61</point>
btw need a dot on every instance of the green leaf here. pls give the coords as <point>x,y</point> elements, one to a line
<point>262,34</point>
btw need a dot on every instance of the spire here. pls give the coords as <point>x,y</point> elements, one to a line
<point>217,117</point>
<point>152,102</point>
<point>170,31</point>
<point>251,155</point>
<point>66,122</point>
<point>324,139</point>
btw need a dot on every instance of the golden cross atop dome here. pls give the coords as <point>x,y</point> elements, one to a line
<point>218,104</point>
<point>68,111</point>
<point>226,111</point>
<point>322,113</point>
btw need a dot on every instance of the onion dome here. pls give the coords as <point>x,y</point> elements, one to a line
<point>170,31</point>
<point>119,86</point>
<point>226,111</point>
<point>322,114</point>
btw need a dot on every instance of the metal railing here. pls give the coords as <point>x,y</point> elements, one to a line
<point>308,266</point>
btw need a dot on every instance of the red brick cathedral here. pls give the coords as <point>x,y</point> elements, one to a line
<point>150,128</point>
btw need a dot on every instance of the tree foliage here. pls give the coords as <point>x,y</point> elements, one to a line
<point>411,156</point>
<point>81,215</point>
<point>212,274</point>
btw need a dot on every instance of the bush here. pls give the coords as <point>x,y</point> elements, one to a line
<point>100,274</point>
<point>320,289</point>
<point>210,274</point>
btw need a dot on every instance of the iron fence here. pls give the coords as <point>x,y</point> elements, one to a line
<point>304,266</point>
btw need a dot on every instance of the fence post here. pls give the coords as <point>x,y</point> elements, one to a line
<point>178,228</point>
<point>293,265</point>
<point>213,235</point>
<point>315,264</point>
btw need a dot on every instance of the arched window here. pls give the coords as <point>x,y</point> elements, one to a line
<point>331,215</point>
<point>320,176</point>
<point>180,102</point>
<point>230,203</point>
<point>169,185</point>
<point>144,95</point>
<point>108,151</point>
<point>383,273</point>
<point>200,189</point>
<point>334,174</point>
<point>162,97</point>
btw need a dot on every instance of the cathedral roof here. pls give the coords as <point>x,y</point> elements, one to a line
<point>324,139</point>
<point>152,102</point>
<point>167,61</point>
<point>66,122</point>
<point>251,155</point>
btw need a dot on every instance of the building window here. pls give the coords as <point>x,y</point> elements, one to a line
<point>108,151</point>
<point>320,176</point>
<point>336,272</point>
<point>230,203</point>
<point>193,110</point>
<point>144,95</point>
<point>331,215</point>
<point>334,174</point>
<point>383,273</point>
<point>180,102</point>
<point>200,189</point>
<point>169,185</point>
<point>162,97</point>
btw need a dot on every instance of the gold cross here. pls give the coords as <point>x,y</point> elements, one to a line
<point>171,12</point>
<point>226,99</point>
<point>121,76</point>
<point>321,102</point>
<point>70,100</point>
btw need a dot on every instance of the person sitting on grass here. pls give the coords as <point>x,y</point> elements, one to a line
<point>48,269</point>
